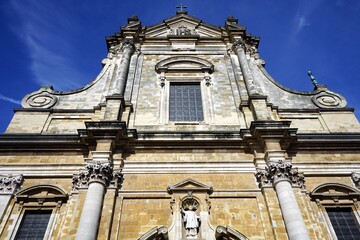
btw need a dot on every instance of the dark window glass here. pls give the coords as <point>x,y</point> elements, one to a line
<point>185,102</point>
<point>344,223</point>
<point>33,225</point>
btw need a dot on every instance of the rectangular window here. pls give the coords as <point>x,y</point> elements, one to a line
<point>185,102</point>
<point>33,225</point>
<point>344,223</point>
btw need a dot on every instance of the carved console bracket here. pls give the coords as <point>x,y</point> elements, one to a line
<point>355,177</point>
<point>279,171</point>
<point>225,233</point>
<point>10,184</point>
<point>156,233</point>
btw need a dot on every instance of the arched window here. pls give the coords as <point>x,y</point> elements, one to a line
<point>338,204</point>
<point>35,211</point>
<point>184,80</point>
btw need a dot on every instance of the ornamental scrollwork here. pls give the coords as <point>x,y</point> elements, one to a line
<point>279,171</point>
<point>329,100</point>
<point>10,184</point>
<point>42,98</point>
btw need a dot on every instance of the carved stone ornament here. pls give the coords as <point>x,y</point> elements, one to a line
<point>279,171</point>
<point>43,98</point>
<point>329,99</point>
<point>10,184</point>
<point>125,46</point>
<point>238,44</point>
<point>356,179</point>
<point>97,172</point>
<point>182,31</point>
<point>222,233</point>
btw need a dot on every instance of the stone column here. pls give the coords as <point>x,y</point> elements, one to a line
<point>97,176</point>
<point>121,75</point>
<point>281,176</point>
<point>9,185</point>
<point>239,49</point>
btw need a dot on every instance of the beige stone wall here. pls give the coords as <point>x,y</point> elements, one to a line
<point>27,122</point>
<point>241,213</point>
<point>323,122</point>
<point>138,216</point>
<point>218,98</point>
<point>189,155</point>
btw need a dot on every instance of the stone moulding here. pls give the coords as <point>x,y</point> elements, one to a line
<point>156,233</point>
<point>279,171</point>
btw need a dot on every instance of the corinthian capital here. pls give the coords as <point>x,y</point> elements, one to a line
<point>10,184</point>
<point>94,172</point>
<point>97,172</point>
<point>279,171</point>
<point>127,47</point>
<point>238,44</point>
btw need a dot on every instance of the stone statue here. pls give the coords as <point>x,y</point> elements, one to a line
<point>191,220</point>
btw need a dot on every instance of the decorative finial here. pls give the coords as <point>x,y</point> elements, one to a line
<point>182,9</point>
<point>313,80</point>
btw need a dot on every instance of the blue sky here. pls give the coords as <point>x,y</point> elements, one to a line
<point>62,43</point>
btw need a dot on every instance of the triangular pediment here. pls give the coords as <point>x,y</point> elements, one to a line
<point>194,25</point>
<point>190,185</point>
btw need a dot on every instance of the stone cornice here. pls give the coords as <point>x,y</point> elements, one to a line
<point>244,140</point>
<point>39,142</point>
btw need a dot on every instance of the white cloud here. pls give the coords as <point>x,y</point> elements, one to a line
<point>47,31</point>
<point>301,23</point>
<point>8,99</point>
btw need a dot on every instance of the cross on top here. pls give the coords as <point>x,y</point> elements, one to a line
<point>181,7</point>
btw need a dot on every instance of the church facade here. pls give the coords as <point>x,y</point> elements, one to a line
<point>182,135</point>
